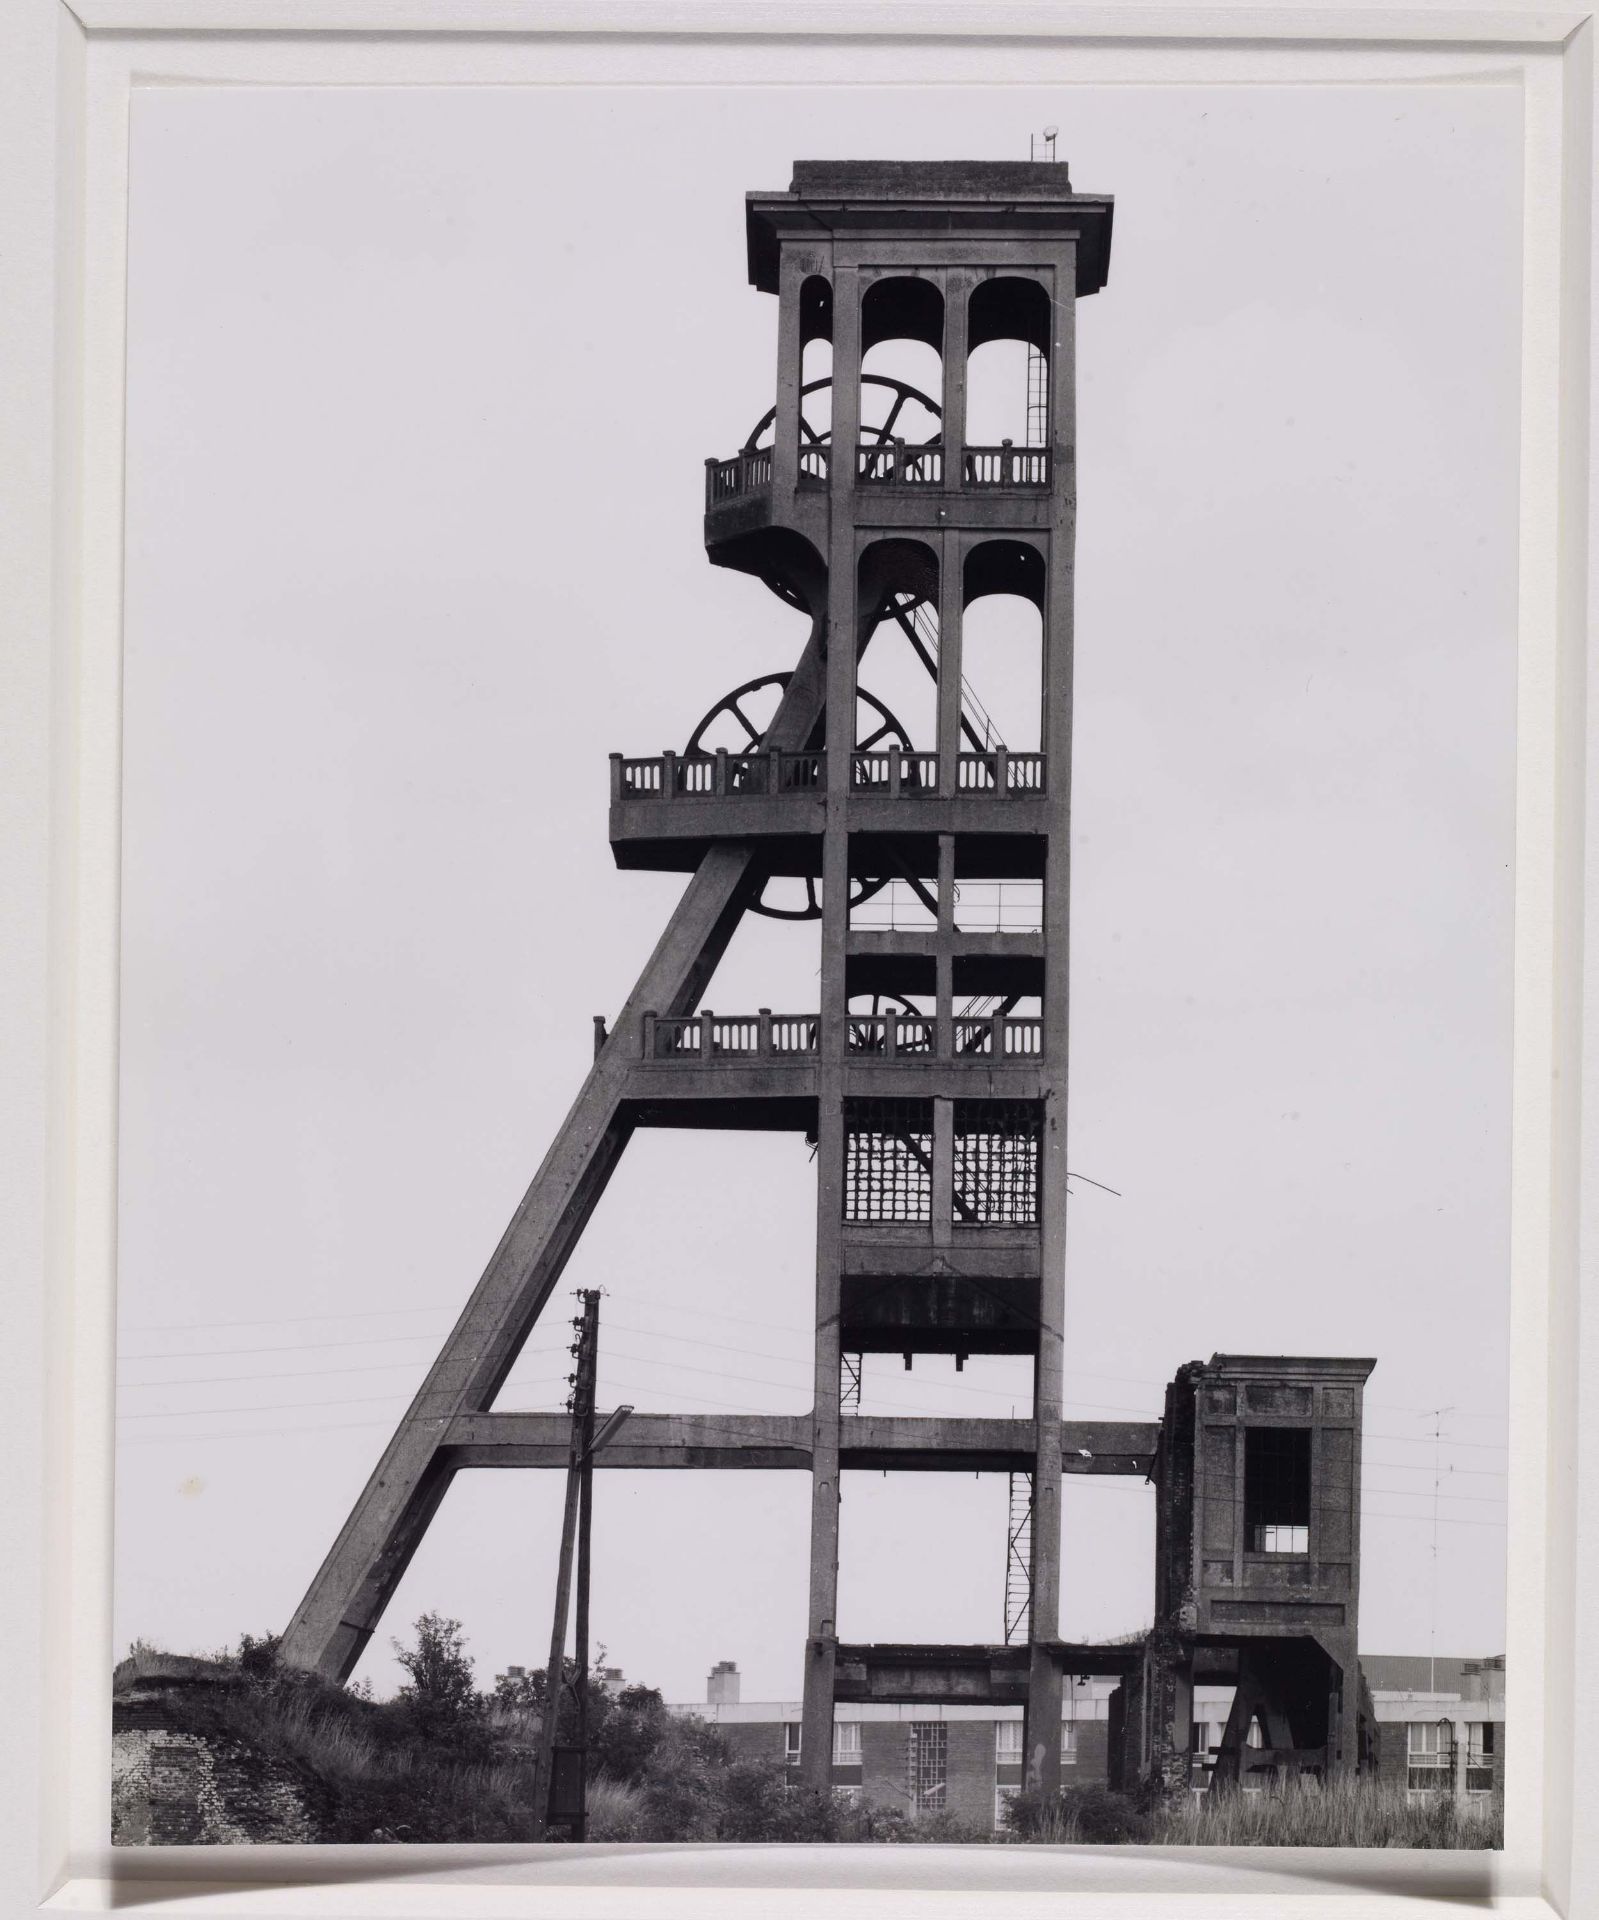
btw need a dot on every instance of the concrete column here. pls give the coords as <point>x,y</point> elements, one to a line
<point>957,293</point>
<point>1049,1368</point>
<point>944,949</point>
<point>950,569</point>
<point>821,1647</point>
<point>793,273</point>
<point>1041,1719</point>
<point>943,1172</point>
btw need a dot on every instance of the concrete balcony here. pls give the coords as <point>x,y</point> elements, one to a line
<point>760,1070</point>
<point>666,809</point>
<point>711,1040</point>
<point>888,464</point>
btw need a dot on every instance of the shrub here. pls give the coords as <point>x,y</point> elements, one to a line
<point>1087,1816</point>
<point>758,1803</point>
<point>680,1785</point>
<point>440,1668</point>
<point>258,1658</point>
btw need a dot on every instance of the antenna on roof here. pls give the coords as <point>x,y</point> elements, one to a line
<point>1041,146</point>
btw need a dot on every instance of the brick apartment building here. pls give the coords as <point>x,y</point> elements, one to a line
<point>1440,1730</point>
<point>1441,1722</point>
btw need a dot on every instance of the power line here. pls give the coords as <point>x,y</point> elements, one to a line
<point>1426,1413</point>
<point>1423,1493</point>
<point>1444,1520</point>
<point>651,1333</point>
<point>293,1346</point>
<point>1425,1440</point>
<point>1418,1466</point>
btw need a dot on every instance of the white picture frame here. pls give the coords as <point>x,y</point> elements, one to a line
<point>68,76</point>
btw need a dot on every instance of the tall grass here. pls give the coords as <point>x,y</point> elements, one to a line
<point>615,1811</point>
<point>1343,1813</point>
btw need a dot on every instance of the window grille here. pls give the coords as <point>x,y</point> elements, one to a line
<point>996,1162</point>
<point>1277,1489</point>
<point>929,1765</point>
<point>888,1160</point>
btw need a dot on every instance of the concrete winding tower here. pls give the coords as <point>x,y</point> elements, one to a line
<point>932,855</point>
<point>932,1077</point>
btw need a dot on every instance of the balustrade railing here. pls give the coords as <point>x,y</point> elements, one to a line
<point>705,1037</point>
<point>748,471</point>
<point>1008,1036</point>
<point>1005,466</point>
<point>882,463</point>
<point>891,463</point>
<point>894,771</point>
<point>892,1035</point>
<point>675,775</point>
<point>1000,771</point>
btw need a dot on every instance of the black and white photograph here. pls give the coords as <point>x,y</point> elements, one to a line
<point>817,863</point>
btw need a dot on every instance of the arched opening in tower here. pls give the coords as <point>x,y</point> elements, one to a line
<point>1008,363</point>
<point>902,378</point>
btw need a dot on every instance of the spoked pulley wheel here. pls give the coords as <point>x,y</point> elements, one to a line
<point>743,706</point>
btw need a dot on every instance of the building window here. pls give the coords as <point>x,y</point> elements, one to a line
<point>1007,1743</point>
<point>1068,1743</point>
<point>1482,1739</point>
<point>791,1742</point>
<point>1430,1752</point>
<point>1199,1766</point>
<point>929,1765</point>
<point>1277,1489</point>
<point>846,1743</point>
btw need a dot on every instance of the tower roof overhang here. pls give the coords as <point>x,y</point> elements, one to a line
<point>1018,198</point>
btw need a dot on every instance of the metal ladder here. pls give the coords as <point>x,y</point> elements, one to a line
<point>1037,397</point>
<point>1019,1561</point>
<point>920,625</point>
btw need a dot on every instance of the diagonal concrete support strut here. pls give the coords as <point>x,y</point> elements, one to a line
<point>355,1582</point>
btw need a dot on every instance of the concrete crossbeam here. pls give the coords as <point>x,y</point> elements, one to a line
<point>777,1441</point>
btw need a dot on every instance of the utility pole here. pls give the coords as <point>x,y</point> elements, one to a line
<point>1437,1486</point>
<point>583,1431</point>
<point>575,1530</point>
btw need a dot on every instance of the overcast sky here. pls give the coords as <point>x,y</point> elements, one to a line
<point>421,384</point>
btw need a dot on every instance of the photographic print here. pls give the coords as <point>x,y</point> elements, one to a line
<point>857,1194</point>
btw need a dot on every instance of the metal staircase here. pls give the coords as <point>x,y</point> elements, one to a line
<point>1019,1561</point>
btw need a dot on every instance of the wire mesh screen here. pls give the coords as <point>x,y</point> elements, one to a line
<point>996,1162</point>
<point>888,1160</point>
